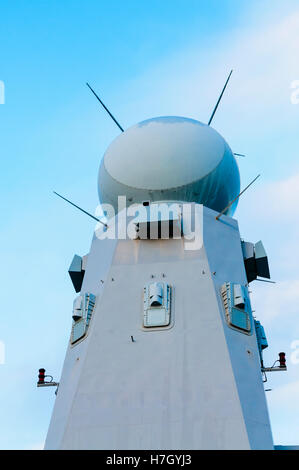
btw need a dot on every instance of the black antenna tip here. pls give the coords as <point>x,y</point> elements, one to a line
<point>219,99</point>
<point>105,107</point>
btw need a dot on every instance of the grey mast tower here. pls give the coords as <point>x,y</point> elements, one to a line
<point>164,352</point>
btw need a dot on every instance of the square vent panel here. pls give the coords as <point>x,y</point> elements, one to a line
<point>156,305</point>
<point>82,312</point>
<point>237,306</point>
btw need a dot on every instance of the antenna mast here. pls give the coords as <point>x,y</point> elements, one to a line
<point>82,210</point>
<point>222,212</point>
<point>106,109</point>
<point>219,99</point>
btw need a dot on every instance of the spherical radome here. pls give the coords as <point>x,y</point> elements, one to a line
<point>170,159</point>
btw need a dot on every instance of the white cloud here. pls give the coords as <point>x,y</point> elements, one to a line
<point>270,200</point>
<point>278,300</point>
<point>265,60</point>
<point>284,410</point>
<point>286,396</point>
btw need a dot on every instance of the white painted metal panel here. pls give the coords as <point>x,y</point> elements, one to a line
<point>185,387</point>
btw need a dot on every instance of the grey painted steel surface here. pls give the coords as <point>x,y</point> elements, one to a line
<point>170,159</point>
<point>196,385</point>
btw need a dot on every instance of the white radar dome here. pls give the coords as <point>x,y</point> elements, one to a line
<point>170,159</point>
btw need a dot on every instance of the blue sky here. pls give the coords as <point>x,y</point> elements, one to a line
<point>145,59</point>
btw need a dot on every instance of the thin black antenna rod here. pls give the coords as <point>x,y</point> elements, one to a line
<point>239,154</point>
<point>117,123</point>
<point>219,99</point>
<point>220,214</point>
<point>82,210</point>
<point>264,280</point>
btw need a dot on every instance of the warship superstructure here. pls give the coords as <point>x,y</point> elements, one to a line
<point>164,351</point>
